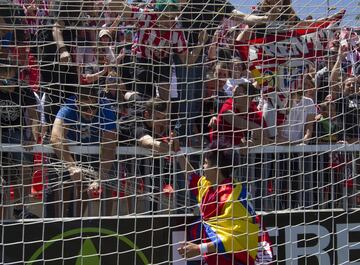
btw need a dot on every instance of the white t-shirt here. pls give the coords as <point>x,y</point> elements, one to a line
<point>294,126</point>
<point>173,84</point>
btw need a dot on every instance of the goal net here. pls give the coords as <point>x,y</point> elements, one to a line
<point>179,132</point>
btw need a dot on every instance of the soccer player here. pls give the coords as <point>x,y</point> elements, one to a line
<point>229,230</point>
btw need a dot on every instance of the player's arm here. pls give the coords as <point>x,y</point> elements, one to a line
<point>57,32</point>
<point>29,100</point>
<point>190,250</point>
<point>212,52</point>
<point>184,164</point>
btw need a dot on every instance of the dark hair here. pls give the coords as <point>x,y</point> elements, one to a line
<point>223,155</point>
<point>87,92</point>
<point>155,104</point>
<point>249,89</point>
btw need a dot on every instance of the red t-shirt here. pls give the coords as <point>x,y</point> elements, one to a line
<point>226,131</point>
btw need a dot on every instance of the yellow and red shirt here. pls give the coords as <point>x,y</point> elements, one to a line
<point>228,221</point>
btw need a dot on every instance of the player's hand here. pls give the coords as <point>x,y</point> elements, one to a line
<point>189,250</point>
<point>65,57</point>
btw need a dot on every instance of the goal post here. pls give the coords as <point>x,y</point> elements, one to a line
<point>179,132</point>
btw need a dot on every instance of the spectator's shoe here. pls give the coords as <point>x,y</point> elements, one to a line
<point>24,214</point>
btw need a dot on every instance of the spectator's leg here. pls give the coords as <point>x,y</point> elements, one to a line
<point>297,180</point>
<point>22,178</point>
<point>5,204</point>
<point>309,181</point>
<point>108,199</point>
<point>267,182</point>
<point>283,181</point>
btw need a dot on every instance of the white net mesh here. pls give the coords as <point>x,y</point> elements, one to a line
<point>179,132</point>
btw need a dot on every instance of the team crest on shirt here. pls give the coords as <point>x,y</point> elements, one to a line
<point>9,111</point>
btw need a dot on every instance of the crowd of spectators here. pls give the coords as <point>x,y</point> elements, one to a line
<point>151,74</point>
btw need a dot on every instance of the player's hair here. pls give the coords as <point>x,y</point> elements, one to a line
<point>221,154</point>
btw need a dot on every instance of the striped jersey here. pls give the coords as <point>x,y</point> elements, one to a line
<point>150,41</point>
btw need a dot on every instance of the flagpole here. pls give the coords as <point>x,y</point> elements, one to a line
<point>328,7</point>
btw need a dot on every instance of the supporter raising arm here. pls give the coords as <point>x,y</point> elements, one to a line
<point>88,120</point>
<point>152,131</point>
<point>158,37</point>
<point>344,92</point>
